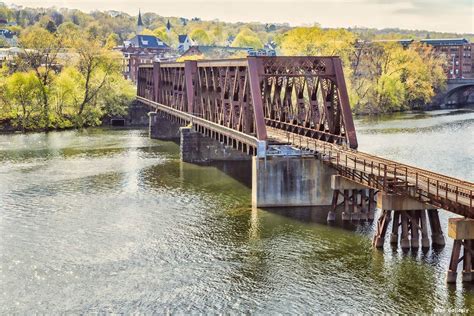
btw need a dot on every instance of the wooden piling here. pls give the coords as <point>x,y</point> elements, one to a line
<point>404,238</point>
<point>346,215</point>
<point>332,213</point>
<point>382,225</point>
<point>437,237</point>
<point>395,226</point>
<point>425,241</point>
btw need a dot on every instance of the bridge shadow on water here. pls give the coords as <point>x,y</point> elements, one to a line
<point>242,172</point>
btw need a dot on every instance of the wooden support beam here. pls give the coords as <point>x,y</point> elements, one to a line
<point>346,214</point>
<point>381,231</point>
<point>437,236</point>
<point>355,210</point>
<point>453,263</point>
<point>425,241</point>
<point>363,205</point>
<point>395,226</point>
<point>404,239</point>
<point>414,227</point>
<point>332,213</point>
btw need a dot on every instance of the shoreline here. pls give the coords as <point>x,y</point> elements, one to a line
<point>8,129</point>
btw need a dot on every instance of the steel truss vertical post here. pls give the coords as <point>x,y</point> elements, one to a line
<point>255,70</point>
<point>156,80</point>
<point>345,105</point>
<point>190,71</point>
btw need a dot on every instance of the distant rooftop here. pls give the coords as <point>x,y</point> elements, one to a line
<point>445,41</point>
<point>404,42</point>
<point>429,41</point>
<point>182,38</point>
<point>148,41</point>
<point>6,33</point>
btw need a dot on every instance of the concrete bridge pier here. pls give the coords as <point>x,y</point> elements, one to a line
<point>462,231</point>
<point>410,222</point>
<point>290,181</point>
<point>197,148</point>
<point>160,127</point>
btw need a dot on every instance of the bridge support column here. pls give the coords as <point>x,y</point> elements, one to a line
<point>356,199</point>
<point>290,182</point>
<point>162,128</point>
<point>462,231</point>
<point>197,148</point>
<point>409,223</point>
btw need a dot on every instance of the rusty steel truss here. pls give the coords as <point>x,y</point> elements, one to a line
<point>300,101</point>
<point>302,95</point>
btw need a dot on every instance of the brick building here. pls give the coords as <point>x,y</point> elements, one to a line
<point>143,49</point>
<point>459,52</point>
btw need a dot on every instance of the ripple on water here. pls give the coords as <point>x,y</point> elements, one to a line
<point>110,221</point>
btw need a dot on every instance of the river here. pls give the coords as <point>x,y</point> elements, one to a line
<point>104,220</point>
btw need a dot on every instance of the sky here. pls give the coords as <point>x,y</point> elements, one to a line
<point>433,15</point>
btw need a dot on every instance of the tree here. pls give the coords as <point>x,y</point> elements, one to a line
<point>40,51</point>
<point>387,77</point>
<point>23,92</point>
<point>247,38</point>
<point>200,36</point>
<point>96,65</point>
<point>163,35</point>
<point>112,41</point>
<point>314,41</point>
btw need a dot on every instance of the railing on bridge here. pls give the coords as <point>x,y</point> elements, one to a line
<point>303,95</point>
<point>435,189</point>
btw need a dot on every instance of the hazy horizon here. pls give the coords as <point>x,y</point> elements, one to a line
<point>436,15</point>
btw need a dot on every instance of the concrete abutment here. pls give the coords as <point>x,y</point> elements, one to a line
<point>290,182</point>
<point>197,148</point>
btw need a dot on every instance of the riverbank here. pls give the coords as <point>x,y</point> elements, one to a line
<point>136,114</point>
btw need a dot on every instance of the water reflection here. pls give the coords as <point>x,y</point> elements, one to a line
<point>103,221</point>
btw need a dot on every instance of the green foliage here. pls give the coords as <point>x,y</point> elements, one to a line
<point>385,77</point>
<point>200,36</point>
<point>112,41</point>
<point>247,38</point>
<point>314,41</point>
<point>22,91</point>
<point>67,51</point>
<point>161,33</point>
<point>50,89</point>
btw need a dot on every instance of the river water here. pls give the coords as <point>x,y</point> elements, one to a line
<point>105,220</point>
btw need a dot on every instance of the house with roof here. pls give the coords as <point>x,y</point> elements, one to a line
<point>7,38</point>
<point>143,49</point>
<point>184,43</point>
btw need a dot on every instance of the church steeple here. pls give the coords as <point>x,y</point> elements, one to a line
<point>140,23</point>
<point>168,27</point>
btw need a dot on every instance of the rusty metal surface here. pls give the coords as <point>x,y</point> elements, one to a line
<point>308,96</point>
<point>305,95</point>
